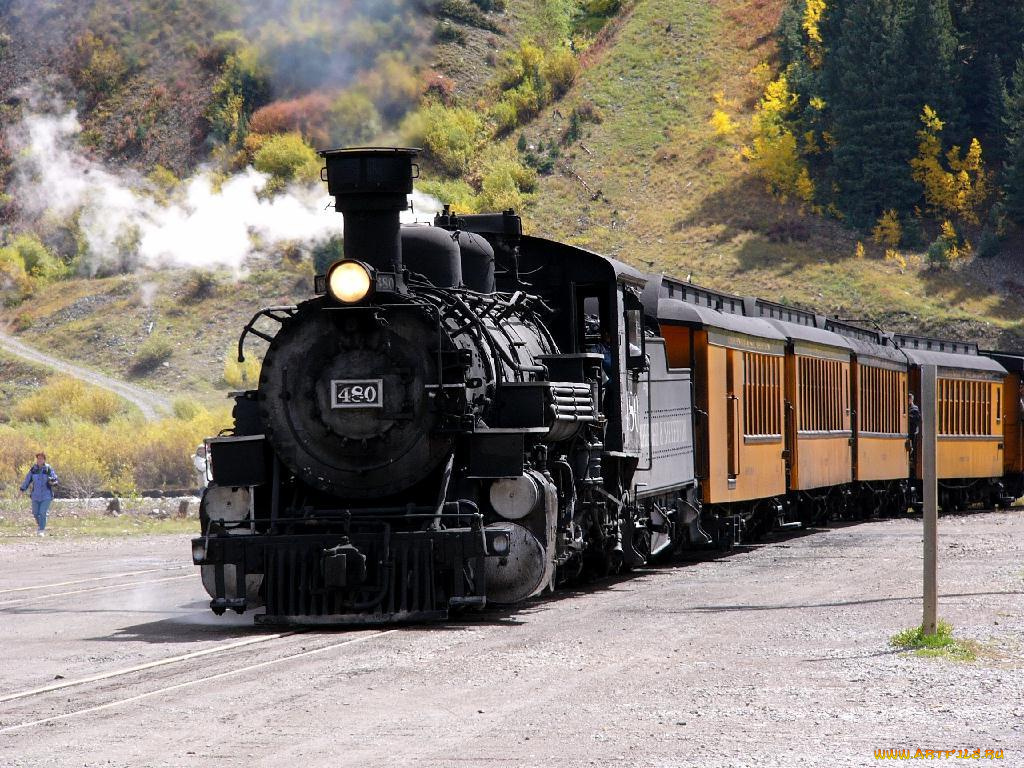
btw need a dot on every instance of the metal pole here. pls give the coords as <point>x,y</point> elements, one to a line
<point>930,494</point>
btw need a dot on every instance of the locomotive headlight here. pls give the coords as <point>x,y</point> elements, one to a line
<point>349,281</point>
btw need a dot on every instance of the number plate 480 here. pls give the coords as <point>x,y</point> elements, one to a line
<point>357,393</point>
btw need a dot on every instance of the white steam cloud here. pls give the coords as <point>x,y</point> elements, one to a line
<point>201,226</point>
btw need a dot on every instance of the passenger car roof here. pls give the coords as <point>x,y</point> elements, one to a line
<point>811,335</point>
<point>1011,362</point>
<point>674,310</point>
<point>947,354</point>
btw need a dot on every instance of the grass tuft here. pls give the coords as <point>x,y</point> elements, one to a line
<point>940,645</point>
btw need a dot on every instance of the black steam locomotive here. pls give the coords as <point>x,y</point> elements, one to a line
<point>465,415</point>
<point>461,416</point>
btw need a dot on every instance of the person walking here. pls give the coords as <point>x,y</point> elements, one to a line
<point>43,480</point>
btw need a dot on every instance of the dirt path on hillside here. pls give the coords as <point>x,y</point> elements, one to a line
<point>152,405</point>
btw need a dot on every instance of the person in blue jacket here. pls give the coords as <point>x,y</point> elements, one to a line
<point>43,480</point>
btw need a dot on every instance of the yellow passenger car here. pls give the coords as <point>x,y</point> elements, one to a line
<point>738,367</point>
<point>969,418</point>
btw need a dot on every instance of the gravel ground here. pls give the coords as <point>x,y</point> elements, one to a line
<point>772,655</point>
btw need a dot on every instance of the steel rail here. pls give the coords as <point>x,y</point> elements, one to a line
<point>94,578</point>
<point>40,598</point>
<point>200,681</point>
<point>147,665</point>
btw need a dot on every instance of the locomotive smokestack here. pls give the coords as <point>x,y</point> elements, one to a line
<point>370,188</point>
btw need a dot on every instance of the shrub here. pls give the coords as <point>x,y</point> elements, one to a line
<point>451,135</point>
<point>38,262</point>
<point>503,182</point>
<point>244,375</point>
<point>455,192</point>
<point>96,67</point>
<point>120,456</point>
<point>392,85</point>
<point>154,350</point>
<point>16,454</point>
<point>946,248</point>
<point>504,116</point>
<point>722,124</point>
<point>446,32</point>
<point>989,244</point>
<point>163,183</point>
<point>460,10</point>
<point>15,283</point>
<point>309,115</point>
<point>602,7</point>
<point>79,464</point>
<point>521,64</point>
<point>326,253</point>
<point>243,86</point>
<point>201,284</point>
<point>163,456</point>
<point>63,397</point>
<point>186,409</point>
<point>439,87</point>
<point>888,231</point>
<point>560,70</point>
<point>286,158</point>
<point>223,45</point>
<point>353,119</point>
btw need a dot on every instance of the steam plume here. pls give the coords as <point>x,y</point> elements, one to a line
<point>125,226</point>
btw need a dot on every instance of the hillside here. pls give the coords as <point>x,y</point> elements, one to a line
<point>618,156</point>
<point>664,193</point>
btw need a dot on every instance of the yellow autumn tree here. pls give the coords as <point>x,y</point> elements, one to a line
<point>773,154</point>
<point>888,231</point>
<point>954,185</point>
<point>721,123</point>
<point>812,27</point>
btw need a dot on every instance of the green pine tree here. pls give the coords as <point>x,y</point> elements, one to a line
<point>1013,121</point>
<point>991,36</point>
<point>932,66</point>
<point>872,106</point>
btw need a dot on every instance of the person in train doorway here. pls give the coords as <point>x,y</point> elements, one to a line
<point>43,480</point>
<point>913,427</point>
<point>607,349</point>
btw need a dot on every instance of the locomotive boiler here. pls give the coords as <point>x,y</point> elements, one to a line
<point>430,431</point>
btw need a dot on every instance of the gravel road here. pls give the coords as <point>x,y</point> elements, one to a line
<point>152,405</point>
<point>772,655</point>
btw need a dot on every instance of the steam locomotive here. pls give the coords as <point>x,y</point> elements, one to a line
<point>466,415</point>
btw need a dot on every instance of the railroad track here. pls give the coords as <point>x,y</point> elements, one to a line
<point>24,709</point>
<point>94,578</point>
